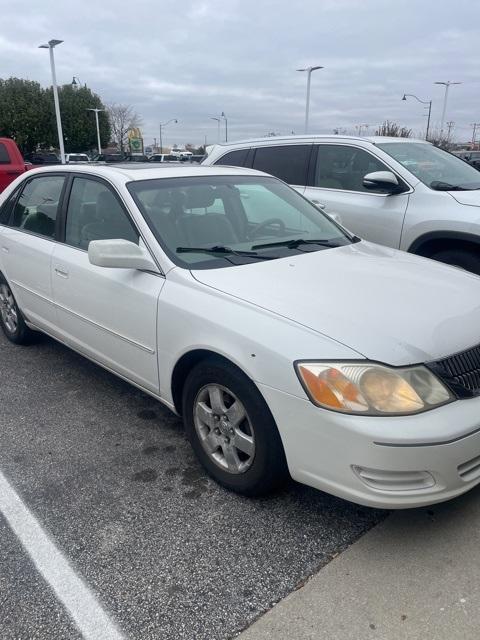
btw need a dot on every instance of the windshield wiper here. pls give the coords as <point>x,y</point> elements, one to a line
<point>220,249</point>
<point>293,244</point>
<point>438,185</point>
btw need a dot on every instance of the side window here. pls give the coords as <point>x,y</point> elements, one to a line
<point>37,207</point>
<point>94,213</point>
<point>4,157</point>
<point>289,163</point>
<point>344,167</point>
<point>234,158</point>
<point>7,207</point>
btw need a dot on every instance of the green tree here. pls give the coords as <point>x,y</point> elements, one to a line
<point>25,113</point>
<point>79,128</point>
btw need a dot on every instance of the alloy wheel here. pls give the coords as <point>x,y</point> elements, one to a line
<point>224,428</point>
<point>8,309</point>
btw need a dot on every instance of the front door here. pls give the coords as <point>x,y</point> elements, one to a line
<point>108,314</point>
<point>337,188</point>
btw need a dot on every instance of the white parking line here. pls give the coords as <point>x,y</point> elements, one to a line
<point>85,610</point>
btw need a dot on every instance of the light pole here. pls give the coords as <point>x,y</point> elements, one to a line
<point>226,125</point>
<point>50,46</point>
<point>447,87</point>
<point>474,126</point>
<point>307,105</point>
<point>218,127</point>
<point>429,102</point>
<point>97,111</point>
<point>164,124</point>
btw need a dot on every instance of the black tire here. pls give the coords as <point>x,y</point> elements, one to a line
<point>464,258</point>
<point>20,334</point>
<point>267,470</point>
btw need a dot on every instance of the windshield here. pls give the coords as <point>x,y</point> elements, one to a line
<point>219,221</point>
<point>434,167</point>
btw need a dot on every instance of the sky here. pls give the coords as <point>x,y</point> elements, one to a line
<point>194,59</point>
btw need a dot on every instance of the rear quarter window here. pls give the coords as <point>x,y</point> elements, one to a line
<point>4,157</point>
<point>234,158</point>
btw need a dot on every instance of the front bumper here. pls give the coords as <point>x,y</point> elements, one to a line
<point>409,461</point>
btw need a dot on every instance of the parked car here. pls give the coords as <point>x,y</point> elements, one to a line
<point>109,158</point>
<point>397,192</point>
<point>163,157</point>
<point>77,158</point>
<point>11,162</point>
<point>288,345</point>
<point>472,157</point>
<point>135,157</point>
<point>40,158</point>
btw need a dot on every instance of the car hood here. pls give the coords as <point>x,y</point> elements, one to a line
<point>466,197</point>
<point>385,304</point>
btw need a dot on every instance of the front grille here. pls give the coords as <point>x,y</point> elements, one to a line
<point>461,372</point>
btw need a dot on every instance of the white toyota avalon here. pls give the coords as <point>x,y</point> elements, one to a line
<point>288,345</point>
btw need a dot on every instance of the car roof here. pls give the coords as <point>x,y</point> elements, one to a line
<point>317,137</point>
<point>148,171</point>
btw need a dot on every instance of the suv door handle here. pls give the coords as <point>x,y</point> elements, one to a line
<point>61,273</point>
<point>318,204</point>
<point>5,249</point>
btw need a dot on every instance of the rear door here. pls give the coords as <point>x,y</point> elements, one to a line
<point>26,244</point>
<point>336,186</point>
<point>108,314</point>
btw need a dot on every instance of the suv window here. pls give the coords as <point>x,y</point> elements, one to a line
<point>289,162</point>
<point>95,213</point>
<point>344,167</point>
<point>4,157</point>
<point>37,207</point>
<point>234,158</point>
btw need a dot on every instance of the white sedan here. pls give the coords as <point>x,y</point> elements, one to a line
<point>288,345</point>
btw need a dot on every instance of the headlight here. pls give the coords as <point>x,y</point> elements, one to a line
<point>371,389</point>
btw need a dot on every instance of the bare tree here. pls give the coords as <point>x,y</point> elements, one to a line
<point>122,118</point>
<point>394,130</point>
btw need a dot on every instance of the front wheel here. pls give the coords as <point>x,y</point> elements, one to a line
<point>465,259</point>
<point>11,318</point>
<point>231,429</point>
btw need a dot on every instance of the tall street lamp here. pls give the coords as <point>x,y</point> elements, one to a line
<point>429,102</point>
<point>218,127</point>
<point>447,87</point>
<point>97,111</point>
<point>226,125</point>
<point>164,124</point>
<point>307,106</point>
<point>51,45</point>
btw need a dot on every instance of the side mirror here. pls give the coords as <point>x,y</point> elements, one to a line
<point>120,254</point>
<point>382,180</point>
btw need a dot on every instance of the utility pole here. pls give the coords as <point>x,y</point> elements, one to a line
<point>475,126</point>
<point>450,126</point>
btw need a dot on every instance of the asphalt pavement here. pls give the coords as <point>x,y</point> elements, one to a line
<point>108,474</point>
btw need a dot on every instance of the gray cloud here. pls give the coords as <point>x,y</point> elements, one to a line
<point>196,58</point>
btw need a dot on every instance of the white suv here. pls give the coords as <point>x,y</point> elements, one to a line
<point>398,192</point>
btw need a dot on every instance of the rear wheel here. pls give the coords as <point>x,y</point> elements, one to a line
<point>464,258</point>
<point>231,429</point>
<point>11,318</point>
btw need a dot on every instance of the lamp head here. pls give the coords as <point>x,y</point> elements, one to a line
<point>404,97</point>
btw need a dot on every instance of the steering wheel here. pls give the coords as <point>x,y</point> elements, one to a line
<point>268,223</point>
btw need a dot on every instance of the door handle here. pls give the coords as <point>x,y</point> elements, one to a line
<point>5,249</point>
<point>318,204</point>
<point>61,273</point>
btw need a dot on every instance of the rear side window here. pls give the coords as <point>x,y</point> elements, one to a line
<point>7,208</point>
<point>289,162</point>
<point>37,207</point>
<point>234,158</point>
<point>4,157</point>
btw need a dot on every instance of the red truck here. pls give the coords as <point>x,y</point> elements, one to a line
<point>12,163</point>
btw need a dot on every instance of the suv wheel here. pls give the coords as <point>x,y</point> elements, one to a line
<point>231,429</point>
<point>463,258</point>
